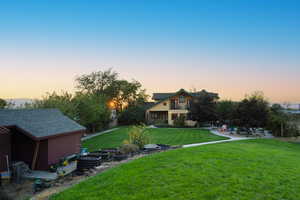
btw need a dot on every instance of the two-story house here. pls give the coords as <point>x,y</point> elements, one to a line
<point>170,106</point>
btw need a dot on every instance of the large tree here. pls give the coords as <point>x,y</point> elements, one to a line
<point>203,107</point>
<point>92,111</point>
<point>252,112</point>
<point>225,111</point>
<point>89,110</point>
<point>3,103</point>
<point>63,102</point>
<point>121,92</point>
<point>99,82</point>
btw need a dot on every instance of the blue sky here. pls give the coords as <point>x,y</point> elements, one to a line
<point>230,47</point>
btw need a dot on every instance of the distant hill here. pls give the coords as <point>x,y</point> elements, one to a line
<point>19,102</point>
<point>292,106</point>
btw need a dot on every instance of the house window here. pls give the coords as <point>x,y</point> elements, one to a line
<point>174,116</point>
<point>181,99</point>
<point>188,104</point>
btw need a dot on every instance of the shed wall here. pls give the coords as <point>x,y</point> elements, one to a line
<point>42,159</point>
<point>23,149</point>
<point>63,146</point>
<point>5,149</point>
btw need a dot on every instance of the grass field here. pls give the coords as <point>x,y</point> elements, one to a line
<point>170,136</point>
<point>244,170</point>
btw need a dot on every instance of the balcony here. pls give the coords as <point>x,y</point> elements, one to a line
<point>179,107</point>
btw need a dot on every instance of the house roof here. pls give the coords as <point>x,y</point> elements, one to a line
<point>160,97</point>
<point>163,96</point>
<point>39,123</point>
<point>148,104</point>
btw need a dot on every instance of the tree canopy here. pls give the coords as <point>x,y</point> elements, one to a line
<point>121,92</point>
<point>3,103</point>
<point>92,111</point>
<point>252,112</point>
<point>225,111</point>
<point>203,107</point>
<point>96,94</point>
<point>63,102</point>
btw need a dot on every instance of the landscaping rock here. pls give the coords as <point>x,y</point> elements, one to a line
<point>151,147</point>
<point>164,146</point>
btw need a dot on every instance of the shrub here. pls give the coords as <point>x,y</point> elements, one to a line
<point>63,102</point>
<point>180,121</point>
<point>282,125</point>
<point>92,111</point>
<point>133,115</point>
<point>161,123</point>
<point>138,136</point>
<point>163,126</point>
<point>129,148</point>
<point>4,196</point>
<point>3,103</point>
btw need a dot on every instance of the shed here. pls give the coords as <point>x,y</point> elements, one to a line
<point>41,137</point>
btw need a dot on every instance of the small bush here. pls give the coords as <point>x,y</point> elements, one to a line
<point>133,115</point>
<point>180,121</point>
<point>292,130</point>
<point>163,126</point>
<point>4,196</point>
<point>282,125</point>
<point>129,148</point>
<point>138,136</point>
<point>161,123</point>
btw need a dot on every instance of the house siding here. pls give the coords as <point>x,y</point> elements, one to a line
<point>166,106</point>
<point>161,106</point>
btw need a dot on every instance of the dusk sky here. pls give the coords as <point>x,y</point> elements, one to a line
<point>230,47</point>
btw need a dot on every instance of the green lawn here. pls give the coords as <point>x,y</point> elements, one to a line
<point>170,136</point>
<point>244,170</point>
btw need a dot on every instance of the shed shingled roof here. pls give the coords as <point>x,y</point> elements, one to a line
<point>3,130</point>
<point>39,123</point>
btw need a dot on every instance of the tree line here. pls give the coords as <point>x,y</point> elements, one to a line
<point>96,95</point>
<point>253,112</point>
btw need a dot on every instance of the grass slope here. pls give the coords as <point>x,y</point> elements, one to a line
<point>244,170</point>
<point>170,136</point>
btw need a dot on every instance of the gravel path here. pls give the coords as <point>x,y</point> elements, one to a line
<point>97,134</point>
<point>231,138</point>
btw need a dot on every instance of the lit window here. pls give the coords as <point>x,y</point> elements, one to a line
<point>181,99</point>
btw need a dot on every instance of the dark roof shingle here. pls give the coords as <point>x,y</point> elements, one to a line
<point>39,123</point>
<point>3,130</point>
